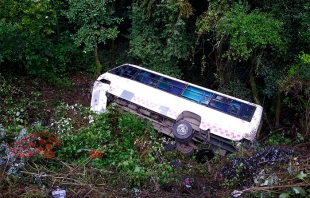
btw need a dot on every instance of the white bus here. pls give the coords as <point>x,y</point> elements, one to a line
<point>186,112</point>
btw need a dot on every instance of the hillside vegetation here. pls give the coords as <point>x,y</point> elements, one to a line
<point>51,51</point>
<point>49,138</point>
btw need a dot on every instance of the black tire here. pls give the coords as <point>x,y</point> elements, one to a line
<point>185,148</point>
<point>183,132</point>
<point>204,155</point>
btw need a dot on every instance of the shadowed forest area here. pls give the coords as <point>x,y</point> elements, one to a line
<point>52,50</point>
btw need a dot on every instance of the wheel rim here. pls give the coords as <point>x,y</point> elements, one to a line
<point>182,129</point>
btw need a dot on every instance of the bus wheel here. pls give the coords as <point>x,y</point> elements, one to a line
<point>185,148</point>
<point>182,132</point>
<point>204,155</point>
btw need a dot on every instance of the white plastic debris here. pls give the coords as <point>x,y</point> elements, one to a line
<point>236,193</point>
<point>59,193</point>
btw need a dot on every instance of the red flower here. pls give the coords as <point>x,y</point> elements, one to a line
<point>32,144</point>
<point>29,153</point>
<point>92,154</point>
<point>33,135</point>
<point>51,140</point>
<point>16,142</point>
<point>41,142</point>
<point>25,139</point>
<point>57,142</point>
<point>49,154</point>
<point>43,133</point>
<point>22,148</point>
<point>40,150</point>
<point>95,154</point>
<point>21,155</point>
<point>48,146</point>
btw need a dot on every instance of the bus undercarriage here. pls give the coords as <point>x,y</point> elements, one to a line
<point>167,126</point>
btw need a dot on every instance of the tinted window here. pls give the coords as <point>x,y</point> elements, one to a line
<point>219,106</point>
<point>220,103</point>
<point>125,71</point>
<point>191,95</point>
<point>147,78</point>
<point>171,86</point>
<point>247,112</point>
<point>235,107</point>
<point>207,96</point>
<point>197,95</point>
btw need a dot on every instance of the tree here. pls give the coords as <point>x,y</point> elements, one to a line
<point>296,86</point>
<point>95,22</point>
<point>239,34</point>
<point>26,32</point>
<point>159,37</point>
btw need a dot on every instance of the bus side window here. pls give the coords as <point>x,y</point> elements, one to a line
<point>164,87</point>
<point>176,91</point>
<point>220,103</point>
<point>206,98</point>
<point>191,95</point>
<point>235,107</point>
<point>129,72</point>
<point>247,112</point>
<point>153,80</point>
<point>219,106</point>
<point>125,71</point>
<point>171,86</point>
<point>142,77</point>
<point>118,71</point>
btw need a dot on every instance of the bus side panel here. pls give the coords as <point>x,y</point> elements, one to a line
<point>171,106</point>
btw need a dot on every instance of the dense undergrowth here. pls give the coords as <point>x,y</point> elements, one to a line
<point>47,140</point>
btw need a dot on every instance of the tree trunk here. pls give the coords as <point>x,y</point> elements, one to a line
<point>255,98</point>
<point>278,105</point>
<point>98,64</point>
<point>113,51</point>
<point>253,87</point>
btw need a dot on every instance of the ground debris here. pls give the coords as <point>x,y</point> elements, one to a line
<point>251,166</point>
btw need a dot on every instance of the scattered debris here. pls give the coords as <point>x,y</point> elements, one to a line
<point>176,163</point>
<point>59,193</point>
<point>136,191</point>
<point>250,167</point>
<point>188,182</point>
<point>169,147</point>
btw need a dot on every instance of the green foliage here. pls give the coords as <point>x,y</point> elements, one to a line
<point>18,108</point>
<point>231,183</point>
<point>295,17</point>
<point>295,85</point>
<point>36,39</point>
<point>272,74</point>
<point>95,136</point>
<point>245,31</point>
<point>159,36</point>
<point>27,24</point>
<point>32,42</point>
<point>236,88</point>
<point>298,76</point>
<point>277,139</point>
<point>117,144</point>
<point>95,20</point>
